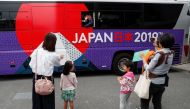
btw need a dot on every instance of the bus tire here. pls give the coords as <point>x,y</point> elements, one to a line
<point>117,60</point>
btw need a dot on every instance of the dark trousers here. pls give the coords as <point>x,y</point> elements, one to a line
<point>41,101</point>
<point>155,93</point>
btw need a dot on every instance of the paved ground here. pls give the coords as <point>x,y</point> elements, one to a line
<point>97,90</point>
<point>185,67</point>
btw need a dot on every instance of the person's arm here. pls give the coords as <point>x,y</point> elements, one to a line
<point>75,80</point>
<point>121,80</point>
<point>90,23</point>
<point>61,81</point>
<point>152,64</point>
<point>33,60</point>
<point>57,59</point>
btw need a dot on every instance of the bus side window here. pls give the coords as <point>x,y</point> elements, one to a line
<point>4,20</point>
<point>156,15</point>
<point>12,20</point>
<point>110,19</point>
<point>87,19</point>
<point>133,20</point>
<point>7,20</point>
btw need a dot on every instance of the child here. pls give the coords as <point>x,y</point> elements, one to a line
<point>68,84</point>
<point>127,83</point>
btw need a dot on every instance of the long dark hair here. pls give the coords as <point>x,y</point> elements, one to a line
<point>49,42</point>
<point>68,67</point>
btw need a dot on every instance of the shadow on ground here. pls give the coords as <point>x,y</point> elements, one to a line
<point>56,75</point>
<point>79,74</point>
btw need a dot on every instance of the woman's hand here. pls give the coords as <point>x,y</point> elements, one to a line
<point>142,55</point>
<point>143,58</point>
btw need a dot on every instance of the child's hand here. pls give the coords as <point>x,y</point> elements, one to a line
<point>119,78</point>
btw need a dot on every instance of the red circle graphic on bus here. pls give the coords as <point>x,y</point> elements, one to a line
<point>35,20</point>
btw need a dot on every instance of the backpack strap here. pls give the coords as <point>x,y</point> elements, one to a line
<point>163,57</point>
<point>167,55</point>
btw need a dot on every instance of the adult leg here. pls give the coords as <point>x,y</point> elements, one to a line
<point>157,97</point>
<point>49,100</point>
<point>36,98</point>
<point>145,102</point>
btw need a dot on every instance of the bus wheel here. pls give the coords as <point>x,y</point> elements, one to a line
<point>117,62</point>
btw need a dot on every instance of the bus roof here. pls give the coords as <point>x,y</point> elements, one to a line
<point>129,1</point>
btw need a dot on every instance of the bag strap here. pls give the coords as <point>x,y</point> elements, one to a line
<point>36,64</point>
<point>70,81</point>
<point>36,68</point>
<point>43,76</point>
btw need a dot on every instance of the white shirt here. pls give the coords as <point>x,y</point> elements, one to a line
<point>68,82</point>
<point>43,62</point>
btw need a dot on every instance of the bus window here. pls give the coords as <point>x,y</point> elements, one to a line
<point>156,15</point>
<point>100,6</point>
<point>133,20</point>
<point>12,20</point>
<point>4,20</point>
<point>110,19</point>
<point>7,21</point>
<point>87,19</point>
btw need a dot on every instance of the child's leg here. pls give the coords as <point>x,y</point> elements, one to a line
<point>65,104</point>
<point>123,101</point>
<point>71,104</point>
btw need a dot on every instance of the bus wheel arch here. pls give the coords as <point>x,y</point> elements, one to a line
<point>119,57</point>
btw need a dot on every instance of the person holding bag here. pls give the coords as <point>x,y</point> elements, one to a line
<point>42,64</point>
<point>143,83</point>
<point>157,71</point>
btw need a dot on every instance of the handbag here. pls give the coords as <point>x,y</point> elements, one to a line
<point>43,86</point>
<point>142,86</point>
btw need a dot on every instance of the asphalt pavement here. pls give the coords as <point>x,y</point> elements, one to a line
<point>96,90</point>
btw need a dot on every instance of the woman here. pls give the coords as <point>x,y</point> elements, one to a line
<point>42,63</point>
<point>158,69</point>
